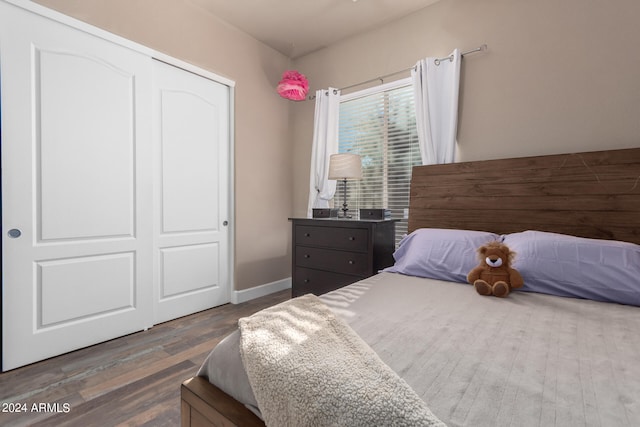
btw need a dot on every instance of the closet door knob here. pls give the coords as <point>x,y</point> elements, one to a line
<point>14,233</point>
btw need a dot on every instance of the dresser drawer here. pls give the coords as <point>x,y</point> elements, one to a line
<point>349,239</point>
<point>354,263</point>
<point>318,282</point>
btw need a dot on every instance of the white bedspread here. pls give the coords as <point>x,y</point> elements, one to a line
<point>526,360</point>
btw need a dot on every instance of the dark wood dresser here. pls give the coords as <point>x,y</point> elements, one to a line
<point>331,253</point>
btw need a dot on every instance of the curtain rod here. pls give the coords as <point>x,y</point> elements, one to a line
<point>480,48</point>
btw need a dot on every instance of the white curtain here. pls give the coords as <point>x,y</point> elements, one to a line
<point>436,85</point>
<point>325,143</point>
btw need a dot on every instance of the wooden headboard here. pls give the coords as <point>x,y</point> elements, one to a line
<point>591,194</point>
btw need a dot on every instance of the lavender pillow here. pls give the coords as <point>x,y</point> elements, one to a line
<point>558,264</point>
<point>440,253</point>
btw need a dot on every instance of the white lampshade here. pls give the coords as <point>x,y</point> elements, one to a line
<point>345,166</point>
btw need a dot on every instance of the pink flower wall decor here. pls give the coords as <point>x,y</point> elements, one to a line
<point>293,86</point>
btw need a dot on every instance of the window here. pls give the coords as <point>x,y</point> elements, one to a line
<point>379,124</point>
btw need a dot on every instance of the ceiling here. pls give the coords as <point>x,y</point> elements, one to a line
<point>298,27</point>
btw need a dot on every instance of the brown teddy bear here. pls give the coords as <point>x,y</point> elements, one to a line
<point>494,275</point>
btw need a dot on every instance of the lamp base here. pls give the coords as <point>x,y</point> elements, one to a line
<point>344,201</point>
<point>345,211</point>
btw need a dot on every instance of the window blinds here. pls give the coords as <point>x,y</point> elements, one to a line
<point>381,127</point>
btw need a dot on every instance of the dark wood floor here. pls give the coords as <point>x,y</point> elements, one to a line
<point>130,381</point>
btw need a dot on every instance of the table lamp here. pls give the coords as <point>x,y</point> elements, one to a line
<point>345,166</point>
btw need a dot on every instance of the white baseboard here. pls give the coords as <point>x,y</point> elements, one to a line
<point>244,295</point>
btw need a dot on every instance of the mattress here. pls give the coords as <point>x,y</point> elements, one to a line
<point>526,360</point>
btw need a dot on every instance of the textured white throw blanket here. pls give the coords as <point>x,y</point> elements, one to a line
<point>309,368</point>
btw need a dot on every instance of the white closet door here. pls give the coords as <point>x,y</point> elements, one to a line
<point>191,144</point>
<point>76,150</point>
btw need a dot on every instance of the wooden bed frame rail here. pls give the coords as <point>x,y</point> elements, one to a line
<point>203,404</point>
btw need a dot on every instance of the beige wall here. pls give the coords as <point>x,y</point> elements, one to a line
<point>558,76</point>
<point>262,145</point>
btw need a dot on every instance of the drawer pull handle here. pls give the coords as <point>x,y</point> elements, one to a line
<point>352,238</point>
<point>306,280</point>
<point>307,256</point>
<point>351,262</point>
<point>307,234</point>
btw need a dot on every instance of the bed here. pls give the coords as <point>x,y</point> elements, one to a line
<point>562,351</point>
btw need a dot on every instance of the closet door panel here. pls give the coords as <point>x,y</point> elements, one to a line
<point>86,146</point>
<point>191,145</point>
<point>76,188</point>
<point>188,269</point>
<point>100,285</point>
<point>190,183</point>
